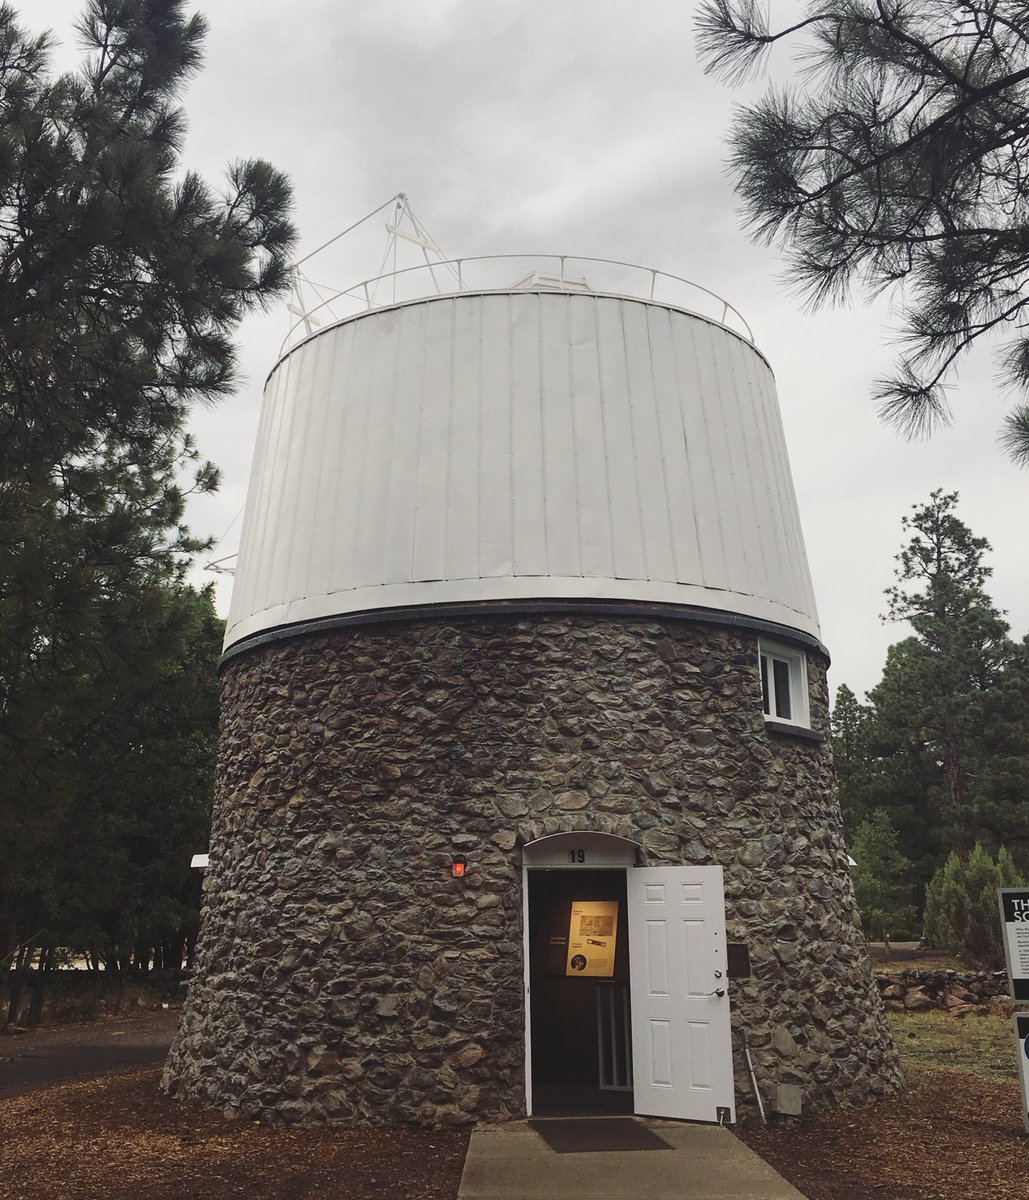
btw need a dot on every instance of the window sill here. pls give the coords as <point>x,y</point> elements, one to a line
<point>798,731</point>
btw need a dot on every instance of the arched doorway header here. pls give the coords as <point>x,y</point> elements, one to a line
<point>584,848</point>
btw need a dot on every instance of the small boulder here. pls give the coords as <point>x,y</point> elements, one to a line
<point>916,1000</point>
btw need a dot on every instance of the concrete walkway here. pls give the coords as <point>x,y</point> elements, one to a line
<point>512,1162</point>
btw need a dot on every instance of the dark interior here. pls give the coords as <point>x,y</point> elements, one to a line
<point>565,1054</point>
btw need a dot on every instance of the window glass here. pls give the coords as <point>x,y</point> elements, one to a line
<point>781,674</point>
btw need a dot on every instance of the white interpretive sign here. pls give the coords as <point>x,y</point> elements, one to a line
<point>1014,915</point>
<point>592,933</point>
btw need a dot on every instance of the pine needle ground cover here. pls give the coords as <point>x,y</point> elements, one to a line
<point>118,1138</point>
<point>956,1134</point>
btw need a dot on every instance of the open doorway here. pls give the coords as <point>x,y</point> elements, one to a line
<point>578,947</point>
<point>667,1052</point>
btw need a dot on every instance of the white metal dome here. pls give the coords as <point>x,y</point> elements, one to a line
<point>516,445</point>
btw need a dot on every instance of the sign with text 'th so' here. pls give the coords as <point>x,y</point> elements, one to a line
<point>1014,915</point>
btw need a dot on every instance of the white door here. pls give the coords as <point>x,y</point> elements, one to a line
<point>681,1038</point>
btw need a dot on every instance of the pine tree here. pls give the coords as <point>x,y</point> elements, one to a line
<point>999,809</point>
<point>145,746</point>
<point>122,278</point>
<point>851,756</point>
<point>961,906</point>
<point>882,879</point>
<point>943,743</point>
<point>941,905</point>
<point>933,689</point>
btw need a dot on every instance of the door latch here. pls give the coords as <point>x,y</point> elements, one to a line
<point>719,991</point>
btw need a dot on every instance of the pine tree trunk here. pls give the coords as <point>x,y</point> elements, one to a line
<point>9,958</point>
<point>955,782</point>
<point>17,977</point>
<point>39,982</point>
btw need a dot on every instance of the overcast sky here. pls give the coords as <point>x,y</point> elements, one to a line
<point>578,127</point>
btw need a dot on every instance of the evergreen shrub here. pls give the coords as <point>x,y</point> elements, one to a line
<point>961,913</point>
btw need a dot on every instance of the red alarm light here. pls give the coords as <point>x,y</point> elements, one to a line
<point>459,866</point>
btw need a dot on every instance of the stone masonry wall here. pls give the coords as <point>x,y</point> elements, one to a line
<point>957,992</point>
<point>343,974</point>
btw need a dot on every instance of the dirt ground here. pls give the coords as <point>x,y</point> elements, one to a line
<point>951,1136</point>
<point>955,1135</point>
<point>118,1138</point>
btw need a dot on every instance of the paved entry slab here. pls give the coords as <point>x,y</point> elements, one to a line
<point>512,1162</point>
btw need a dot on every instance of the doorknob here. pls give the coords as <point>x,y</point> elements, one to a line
<point>716,992</point>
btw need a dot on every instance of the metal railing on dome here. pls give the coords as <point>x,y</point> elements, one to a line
<point>315,305</point>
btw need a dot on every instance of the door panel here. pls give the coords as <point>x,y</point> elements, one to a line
<point>656,959</point>
<point>680,1028</point>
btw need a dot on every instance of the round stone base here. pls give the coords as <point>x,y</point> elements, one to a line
<point>343,973</point>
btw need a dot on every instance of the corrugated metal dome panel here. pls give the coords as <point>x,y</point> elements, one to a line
<point>520,445</point>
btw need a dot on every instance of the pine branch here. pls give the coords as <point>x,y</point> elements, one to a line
<point>900,156</point>
<point>1014,438</point>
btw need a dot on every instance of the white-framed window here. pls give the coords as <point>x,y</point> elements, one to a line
<point>783,684</point>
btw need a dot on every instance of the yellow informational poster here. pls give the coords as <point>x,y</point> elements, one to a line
<point>591,937</point>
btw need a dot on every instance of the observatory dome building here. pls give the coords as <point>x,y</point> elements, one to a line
<point>525,803</point>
